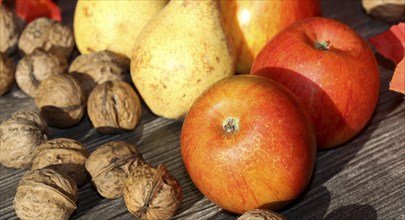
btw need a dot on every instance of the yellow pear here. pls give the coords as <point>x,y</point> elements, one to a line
<point>112,25</point>
<point>179,53</point>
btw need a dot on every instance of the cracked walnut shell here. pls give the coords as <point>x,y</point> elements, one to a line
<point>20,135</point>
<point>48,34</point>
<point>7,72</point>
<point>36,67</point>
<point>109,166</point>
<point>61,100</point>
<point>114,106</point>
<point>45,194</point>
<point>152,193</point>
<point>63,155</point>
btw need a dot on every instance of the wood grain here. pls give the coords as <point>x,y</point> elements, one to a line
<point>362,179</point>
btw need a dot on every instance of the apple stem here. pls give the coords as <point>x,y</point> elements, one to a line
<point>230,125</point>
<point>324,45</point>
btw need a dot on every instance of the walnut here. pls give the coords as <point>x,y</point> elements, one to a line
<point>7,71</point>
<point>261,214</point>
<point>48,34</point>
<point>96,68</point>
<point>109,166</point>
<point>388,10</point>
<point>64,155</point>
<point>152,193</point>
<point>114,106</point>
<point>10,27</point>
<point>35,67</point>
<point>61,100</point>
<point>45,194</point>
<point>19,137</point>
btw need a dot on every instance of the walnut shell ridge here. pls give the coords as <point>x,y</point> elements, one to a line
<point>61,100</point>
<point>63,155</point>
<point>10,27</point>
<point>48,34</point>
<point>20,135</point>
<point>114,106</point>
<point>45,194</point>
<point>33,68</point>
<point>152,193</point>
<point>109,166</point>
<point>98,67</point>
<point>7,73</point>
<point>261,214</point>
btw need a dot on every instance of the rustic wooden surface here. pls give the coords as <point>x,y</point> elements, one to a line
<point>362,179</point>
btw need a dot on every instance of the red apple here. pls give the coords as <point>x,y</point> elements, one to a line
<point>332,71</point>
<point>251,24</point>
<point>248,143</point>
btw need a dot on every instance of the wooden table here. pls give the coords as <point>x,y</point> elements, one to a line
<point>362,179</point>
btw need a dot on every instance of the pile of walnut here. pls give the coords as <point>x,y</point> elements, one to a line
<point>94,84</point>
<point>61,165</point>
<point>62,92</point>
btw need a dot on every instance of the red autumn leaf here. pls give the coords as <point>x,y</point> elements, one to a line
<point>32,9</point>
<point>391,43</point>
<point>398,79</point>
